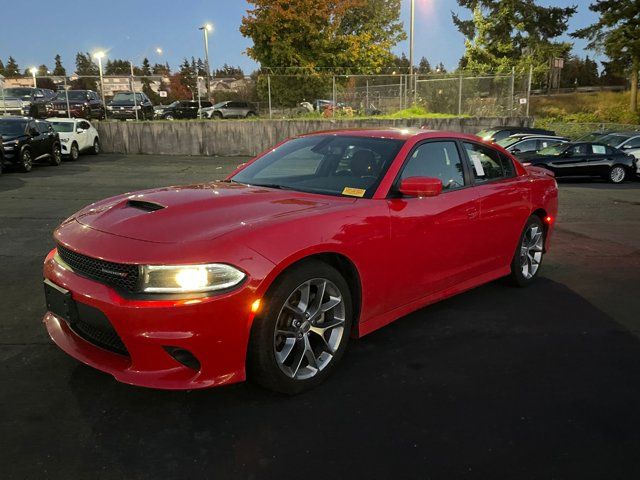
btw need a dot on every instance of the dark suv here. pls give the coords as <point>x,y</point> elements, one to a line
<point>26,140</point>
<point>82,104</point>
<point>123,106</point>
<point>27,101</point>
<point>183,109</point>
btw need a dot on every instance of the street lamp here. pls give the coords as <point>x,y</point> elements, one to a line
<point>33,71</point>
<point>206,28</point>
<point>99,55</point>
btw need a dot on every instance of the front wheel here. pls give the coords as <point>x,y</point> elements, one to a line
<point>26,161</point>
<point>527,258</point>
<point>74,153</point>
<point>301,335</point>
<point>56,156</point>
<point>617,174</point>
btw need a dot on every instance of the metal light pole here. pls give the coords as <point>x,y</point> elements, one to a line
<point>100,56</point>
<point>33,71</point>
<point>206,28</point>
<point>133,90</point>
<point>411,41</point>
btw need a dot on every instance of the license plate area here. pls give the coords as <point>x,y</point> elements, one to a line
<point>59,301</point>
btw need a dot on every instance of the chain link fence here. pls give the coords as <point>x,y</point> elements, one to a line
<point>285,96</point>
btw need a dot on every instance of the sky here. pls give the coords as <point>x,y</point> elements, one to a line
<point>134,29</point>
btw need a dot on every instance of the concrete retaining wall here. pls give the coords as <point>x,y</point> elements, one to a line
<point>250,137</point>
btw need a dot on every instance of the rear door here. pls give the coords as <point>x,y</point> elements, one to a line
<point>433,239</point>
<point>39,139</point>
<point>600,160</point>
<point>504,206</point>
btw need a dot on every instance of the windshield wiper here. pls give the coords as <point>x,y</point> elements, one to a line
<point>271,185</point>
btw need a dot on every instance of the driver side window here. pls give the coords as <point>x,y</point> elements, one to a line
<point>436,160</point>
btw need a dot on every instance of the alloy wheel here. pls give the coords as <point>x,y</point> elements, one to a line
<point>27,162</point>
<point>531,251</point>
<point>96,147</point>
<point>617,174</point>
<point>309,329</point>
<point>74,152</point>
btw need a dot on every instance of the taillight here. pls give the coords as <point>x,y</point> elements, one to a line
<point>548,219</point>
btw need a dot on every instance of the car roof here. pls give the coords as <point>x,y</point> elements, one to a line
<point>395,133</point>
<point>523,136</point>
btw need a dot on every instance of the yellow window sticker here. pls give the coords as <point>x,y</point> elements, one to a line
<point>354,192</point>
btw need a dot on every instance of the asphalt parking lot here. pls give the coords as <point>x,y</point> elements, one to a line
<point>495,383</point>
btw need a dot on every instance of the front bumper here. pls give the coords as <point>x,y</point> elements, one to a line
<point>124,114</point>
<point>214,329</point>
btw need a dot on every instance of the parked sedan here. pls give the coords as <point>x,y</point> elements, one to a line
<point>76,135</point>
<point>622,140</point>
<point>124,105</point>
<point>270,272</point>
<point>498,133</point>
<point>26,140</point>
<point>583,159</point>
<point>182,109</point>
<point>77,103</point>
<point>525,142</point>
<point>228,110</point>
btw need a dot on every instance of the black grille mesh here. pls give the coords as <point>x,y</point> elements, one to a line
<point>105,338</point>
<point>119,275</point>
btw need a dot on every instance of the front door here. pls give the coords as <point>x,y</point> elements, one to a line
<point>433,238</point>
<point>572,162</point>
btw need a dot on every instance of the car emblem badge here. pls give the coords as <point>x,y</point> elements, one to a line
<point>112,272</point>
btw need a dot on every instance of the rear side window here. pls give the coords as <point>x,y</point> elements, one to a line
<point>581,149</point>
<point>43,127</point>
<point>488,164</point>
<point>633,143</point>
<point>527,145</point>
<point>436,160</point>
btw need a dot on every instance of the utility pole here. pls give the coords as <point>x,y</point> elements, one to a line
<point>411,43</point>
<point>206,28</point>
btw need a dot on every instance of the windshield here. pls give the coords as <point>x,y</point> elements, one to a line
<point>73,95</point>
<point>17,92</point>
<point>126,97</point>
<point>553,150</point>
<point>507,142</point>
<point>12,128</point>
<point>614,139</point>
<point>62,127</point>
<point>329,164</point>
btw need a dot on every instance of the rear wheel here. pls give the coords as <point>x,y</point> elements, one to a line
<point>303,331</point>
<point>527,258</point>
<point>95,150</point>
<point>26,161</point>
<point>56,156</point>
<point>217,115</point>
<point>617,174</point>
<point>74,152</point>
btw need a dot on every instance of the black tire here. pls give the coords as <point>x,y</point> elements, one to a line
<point>168,117</point>
<point>617,174</point>
<point>262,365</point>
<point>26,160</point>
<point>55,159</point>
<point>95,150</point>
<point>250,115</point>
<point>217,116</point>
<point>74,152</point>
<point>517,276</point>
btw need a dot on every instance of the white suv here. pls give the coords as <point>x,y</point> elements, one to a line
<point>76,135</point>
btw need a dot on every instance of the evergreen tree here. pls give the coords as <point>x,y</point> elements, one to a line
<point>1,68</point>
<point>424,66</point>
<point>11,69</point>
<point>59,70</point>
<point>146,66</point>
<point>617,34</point>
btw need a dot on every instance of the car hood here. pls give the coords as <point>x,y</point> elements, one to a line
<point>198,212</point>
<point>73,103</point>
<point>11,138</point>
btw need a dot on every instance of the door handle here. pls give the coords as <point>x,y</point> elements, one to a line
<point>472,213</point>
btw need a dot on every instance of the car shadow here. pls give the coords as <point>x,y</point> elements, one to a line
<point>498,382</point>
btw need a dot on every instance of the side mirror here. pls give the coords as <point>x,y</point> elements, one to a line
<point>420,187</point>
<point>79,130</point>
<point>627,147</point>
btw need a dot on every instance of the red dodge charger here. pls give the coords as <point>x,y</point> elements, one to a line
<point>268,273</point>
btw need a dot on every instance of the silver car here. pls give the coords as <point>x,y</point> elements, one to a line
<point>228,109</point>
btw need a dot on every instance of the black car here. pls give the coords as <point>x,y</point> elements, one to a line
<point>27,101</point>
<point>583,159</point>
<point>499,133</point>
<point>26,140</point>
<point>527,142</point>
<point>81,104</point>
<point>183,109</point>
<point>123,106</point>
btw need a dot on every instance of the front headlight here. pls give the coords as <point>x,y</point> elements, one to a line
<point>109,107</point>
<point>137,107</point>
<point>189,278</point>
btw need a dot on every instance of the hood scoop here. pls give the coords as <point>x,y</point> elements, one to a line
<point>144,205</point>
